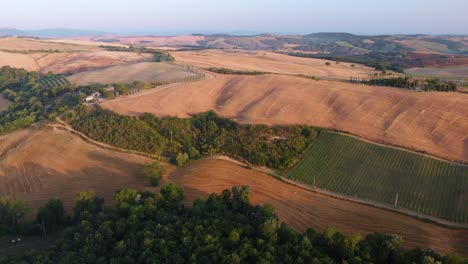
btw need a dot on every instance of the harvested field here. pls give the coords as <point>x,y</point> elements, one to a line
<point>31,44</point>
<point>38,165</point>
<point>270,62</point>
<point>434,122</point>
<point>144,72</point>
<point>446,72</point>
<point>360,169</point>
<point>303,209</point>
<point>83,42</point>
<point>4,103</point>
<point>57,57</point>
<point>155,41</point>
<point>69,61</point>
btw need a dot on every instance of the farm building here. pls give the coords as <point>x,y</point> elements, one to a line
<point>89,99</point>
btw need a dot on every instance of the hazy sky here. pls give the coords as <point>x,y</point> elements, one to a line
<point>208,16</point>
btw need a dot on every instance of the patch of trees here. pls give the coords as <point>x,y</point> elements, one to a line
<point>146,227</point>
<point>11,213</point>
<point>205,134</point>
<point>158,55</point>
<point>237,72</point>
<point>161,57</point>
<point>409,83</point>
<point>154,172</point>
<point>50,217</point>
<point>31,101</point>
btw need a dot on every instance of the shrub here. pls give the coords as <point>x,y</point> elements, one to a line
<point>154,172</point>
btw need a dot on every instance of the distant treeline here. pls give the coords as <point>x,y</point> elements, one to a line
<point>379,61</point>
<point>204,134</point>
<point>237,72</point>
<point>409,83</point>
<point>31,51</point>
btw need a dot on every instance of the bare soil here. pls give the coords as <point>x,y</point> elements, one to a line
<point>38,165</point>
<point>303,209</point>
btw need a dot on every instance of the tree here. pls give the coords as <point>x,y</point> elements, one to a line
<point>154,172</point>
<point>327,63</point>
<point>52,215</point>
<point>88,201</point>
<point>172,194</point>
<point>182,159</point>
<point>11,213</point>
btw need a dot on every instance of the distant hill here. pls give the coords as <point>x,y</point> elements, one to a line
<point>49,33</point>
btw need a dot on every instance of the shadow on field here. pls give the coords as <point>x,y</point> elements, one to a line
<point>465,149</point>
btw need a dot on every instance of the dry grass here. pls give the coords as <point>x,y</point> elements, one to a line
<point>72,57</point>
<point>432,121</point>
<point>446,72</point>
<point>26,44</point>
<point>144,71</point>
<point>83,42</point>
<point>38,165</point>
<point>303,209</point>
<point>156,41</point>
<point>69,62</point>
<point>270,62</point>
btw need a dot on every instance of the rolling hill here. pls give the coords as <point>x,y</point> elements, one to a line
<point>433,122</point>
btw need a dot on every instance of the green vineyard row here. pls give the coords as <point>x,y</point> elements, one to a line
<point>49,82</point>
<point>347,165</point>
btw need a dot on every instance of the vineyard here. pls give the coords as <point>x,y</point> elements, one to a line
<point>363,170</point>
<point>53,81</point>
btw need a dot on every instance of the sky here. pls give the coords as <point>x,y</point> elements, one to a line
<point>240,16</point>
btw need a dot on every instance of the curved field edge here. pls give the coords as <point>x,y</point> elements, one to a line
<point>299,208</point>
<point>431,122</point>
<point>302,208</point>
<point>41,164</point>
<point>367,172</point>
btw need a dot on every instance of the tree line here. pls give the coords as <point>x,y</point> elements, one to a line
<point>146,227</point>
<point>204,134</point>
<point>236,72</point>
<point>433,84</point>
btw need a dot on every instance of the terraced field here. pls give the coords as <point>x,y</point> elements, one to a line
<point>57,80</point>
<point>353,167</point>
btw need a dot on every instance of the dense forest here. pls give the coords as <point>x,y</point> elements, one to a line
<point>31,101</point>
<point>146,227</point>
<point>205,134</point>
